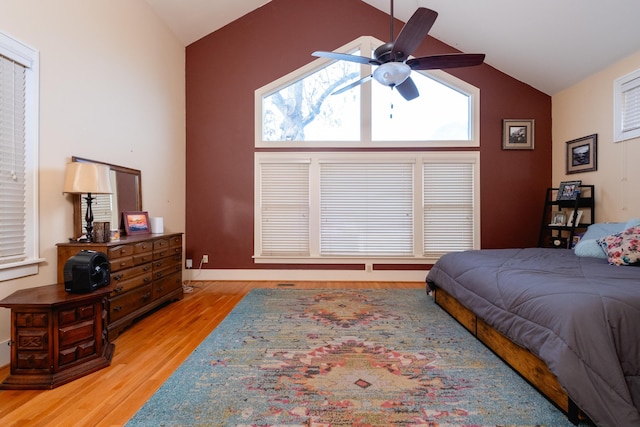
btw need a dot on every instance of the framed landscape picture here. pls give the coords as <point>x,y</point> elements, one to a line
<point>582,154</point>
<point>136,223</point>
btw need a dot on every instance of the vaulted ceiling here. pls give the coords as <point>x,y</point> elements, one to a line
<point>548,44</point>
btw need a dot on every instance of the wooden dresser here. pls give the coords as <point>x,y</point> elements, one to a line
<point>146,272</point>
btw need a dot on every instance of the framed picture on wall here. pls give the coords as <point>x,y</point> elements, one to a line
<point>517,134</point>
<point>135,223</point>
<point>582,154</point>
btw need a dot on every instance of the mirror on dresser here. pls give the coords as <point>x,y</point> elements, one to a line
<point>127,196</point>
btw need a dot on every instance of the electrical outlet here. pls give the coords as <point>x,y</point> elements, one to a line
<point>205,259</point>
<point>189,263</point>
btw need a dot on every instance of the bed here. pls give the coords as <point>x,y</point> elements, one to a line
<point>569,324</point>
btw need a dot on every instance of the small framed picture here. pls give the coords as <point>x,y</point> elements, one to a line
<point>569,190</point>
<point>558,219</point>
<point>517,134</point>
<point>135,223</point>
<point>582,154</point>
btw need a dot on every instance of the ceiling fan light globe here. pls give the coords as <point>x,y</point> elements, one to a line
<point>392,73</point>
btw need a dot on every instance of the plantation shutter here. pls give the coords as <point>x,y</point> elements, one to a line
<point>448,207</point>
<point>631,106</point>
<point>284,204</point>
<point>366,209</point>
<point>12,161</point>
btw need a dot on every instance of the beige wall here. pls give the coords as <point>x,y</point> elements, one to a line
<point>585,109</point>
<point>111,89</point>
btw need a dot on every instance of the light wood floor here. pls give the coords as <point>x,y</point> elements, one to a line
<point>145,356</point>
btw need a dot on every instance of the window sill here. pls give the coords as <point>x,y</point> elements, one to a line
<point>16,270</point>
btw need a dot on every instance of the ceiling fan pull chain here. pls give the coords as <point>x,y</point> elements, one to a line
<point>391,106</point>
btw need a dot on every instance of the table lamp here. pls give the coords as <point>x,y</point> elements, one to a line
<point>89,178</point>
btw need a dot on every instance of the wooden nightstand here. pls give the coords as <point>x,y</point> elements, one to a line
<point>56,336</point>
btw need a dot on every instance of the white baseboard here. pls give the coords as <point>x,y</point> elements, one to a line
<point>308,275</point>
<point>5,353</point>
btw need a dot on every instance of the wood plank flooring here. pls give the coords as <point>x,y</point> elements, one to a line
<point>145,356</point>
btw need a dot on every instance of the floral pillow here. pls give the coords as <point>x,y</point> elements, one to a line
<point>622,248</point>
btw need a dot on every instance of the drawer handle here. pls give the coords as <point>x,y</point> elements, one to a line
<point>117,308</point>
<point>118,277</point>
<point>118,289</point>
<point>146,296</point>
<point>123,251</point>
<point>146,268</point>
<point>123,264</point>
<point>146,279</point>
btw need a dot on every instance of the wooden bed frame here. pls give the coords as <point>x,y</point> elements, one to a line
<point>529,366</point>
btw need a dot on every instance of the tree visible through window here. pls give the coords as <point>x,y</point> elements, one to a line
<point>301,109</point>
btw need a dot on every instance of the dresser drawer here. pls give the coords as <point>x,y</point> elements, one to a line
<point>123,286</point>
<point>129,273</point>
<point>143,247</point>
<point>121,263</point>
<point>120,251</point>
<point>74,334</point>
<point>76,314</point>
<point>128,302</point>
<point>175,241</point>
<point>139,259</point>
<point>167,284</point>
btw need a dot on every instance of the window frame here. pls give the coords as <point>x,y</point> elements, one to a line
<point>367,44</point>
<point>620,86</point>
<point>30,59</point>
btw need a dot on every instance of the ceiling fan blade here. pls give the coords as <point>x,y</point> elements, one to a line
<point>408,89</point>
<point>452,60</point>
<point>413,33</point>
<point>346,57</point>
<point>352,85</point>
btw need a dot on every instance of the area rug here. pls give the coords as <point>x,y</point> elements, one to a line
<point>374,357</point>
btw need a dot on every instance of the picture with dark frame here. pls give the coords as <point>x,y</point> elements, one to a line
<point>136,223</point>
<point>582,154</point>
<point>569,190</point>
<point>517,134</point>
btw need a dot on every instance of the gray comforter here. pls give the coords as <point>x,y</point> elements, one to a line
<point>581,316</point>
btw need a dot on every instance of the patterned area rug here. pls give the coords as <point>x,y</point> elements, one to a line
<point>383,357</point>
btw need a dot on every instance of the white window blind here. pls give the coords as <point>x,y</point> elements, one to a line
<point>343,207</point>
<point>448,207</point>
<point>12,161</point>
<point>627,107</point>
<point>366,209</point>
<point>284,206</point>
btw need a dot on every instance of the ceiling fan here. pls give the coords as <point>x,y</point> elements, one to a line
<point>392,59</point>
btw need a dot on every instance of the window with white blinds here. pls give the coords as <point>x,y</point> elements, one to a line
<point>12,161</point>
<point>627,107</point>
<point>448,207</point>
<point>366,209</point>
<point>18,159</point>
<point>342,207</point>
<point>284,208</point>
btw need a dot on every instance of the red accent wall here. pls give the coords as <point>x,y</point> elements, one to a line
<point>224,69</point>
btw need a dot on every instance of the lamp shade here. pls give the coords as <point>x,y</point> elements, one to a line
<point>87,178</point>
